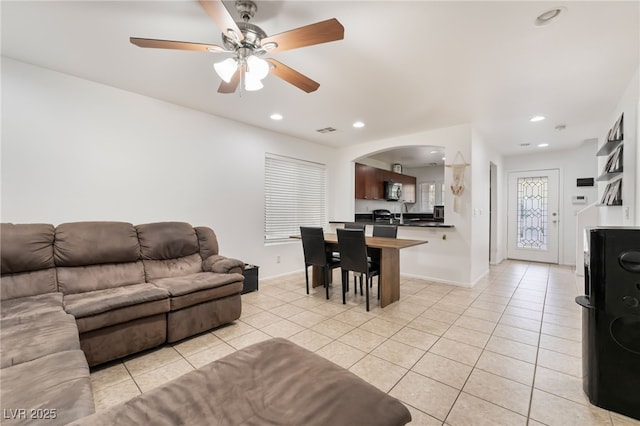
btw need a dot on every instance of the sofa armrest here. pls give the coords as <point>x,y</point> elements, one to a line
<point>223,265</point>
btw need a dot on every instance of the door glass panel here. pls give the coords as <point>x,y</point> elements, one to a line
<point>532,212</point>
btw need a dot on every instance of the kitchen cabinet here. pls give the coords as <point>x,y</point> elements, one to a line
<point>369,183</point>
<point>408,188</point>
<point>370,180</point>
<point>361,181</point>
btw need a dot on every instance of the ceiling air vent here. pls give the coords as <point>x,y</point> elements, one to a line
<point>326,130</point>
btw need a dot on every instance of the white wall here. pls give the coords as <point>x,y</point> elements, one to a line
<point>482,157</point>
<point>74,150</point>
<point>572,164</point>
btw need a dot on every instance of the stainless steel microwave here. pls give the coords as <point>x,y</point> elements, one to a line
<point>392,191</point>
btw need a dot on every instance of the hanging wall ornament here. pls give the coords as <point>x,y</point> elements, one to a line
<point>457,187</point>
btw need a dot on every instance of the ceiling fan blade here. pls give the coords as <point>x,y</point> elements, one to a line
<point>292,76</point>
<point>220,15</point>
<point>320,32</point>
<point>232,85</point>
<point>179,45</point>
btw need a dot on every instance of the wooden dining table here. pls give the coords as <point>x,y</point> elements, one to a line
<point>389,279</point>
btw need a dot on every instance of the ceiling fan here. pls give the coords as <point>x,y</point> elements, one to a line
<point>248,42</point>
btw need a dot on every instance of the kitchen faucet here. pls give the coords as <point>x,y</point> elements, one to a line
<point>403,206</point>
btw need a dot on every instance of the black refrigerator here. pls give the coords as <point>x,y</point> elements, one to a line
<point>611,319</point>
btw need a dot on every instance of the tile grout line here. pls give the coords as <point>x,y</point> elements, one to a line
<point>535,366</point>
<point>476,363</point>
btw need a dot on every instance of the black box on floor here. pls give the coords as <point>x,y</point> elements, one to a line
<point>250,278</point>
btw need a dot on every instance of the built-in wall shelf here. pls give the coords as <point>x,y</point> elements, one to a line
<point>608,147</point>
<point>607,176</point>
<point>612,171</point>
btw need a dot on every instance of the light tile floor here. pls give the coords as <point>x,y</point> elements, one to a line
<point>506,352</point>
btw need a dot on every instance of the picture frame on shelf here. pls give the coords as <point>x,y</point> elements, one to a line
<point>614,161</point>
<point>612,193</point>
<point>617,131</point>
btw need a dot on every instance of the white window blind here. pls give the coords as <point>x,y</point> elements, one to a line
<point>294,196</point>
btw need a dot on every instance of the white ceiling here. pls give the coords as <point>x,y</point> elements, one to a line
<point>403,67</point>
<point>412,156</point>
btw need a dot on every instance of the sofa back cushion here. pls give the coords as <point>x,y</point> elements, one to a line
<point>27,264</point>
<point>96,256</point>
<point>79,279</point>
<point>95,243</point>
<point>208,242</point>
<point>169,249</point>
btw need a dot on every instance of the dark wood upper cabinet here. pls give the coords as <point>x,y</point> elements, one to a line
<point>408,188</point>
<point>361,181</point>
<point>370,183</point>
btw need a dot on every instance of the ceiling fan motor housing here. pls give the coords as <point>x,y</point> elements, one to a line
<point>253,34</point>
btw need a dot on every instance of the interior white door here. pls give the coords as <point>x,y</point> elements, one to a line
<point>533,216</point>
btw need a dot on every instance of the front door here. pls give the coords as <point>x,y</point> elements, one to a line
<point>533,218</point>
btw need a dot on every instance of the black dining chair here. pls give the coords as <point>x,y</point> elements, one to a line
<point>315,254</point>
<point>387,231</point>
<point>353,257</point>
<point>359,226</point>
<point>355,225</point>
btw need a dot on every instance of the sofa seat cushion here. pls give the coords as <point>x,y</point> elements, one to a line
<point>122,315</point>
<point>96,302</point>
<point>179,286</point>
<point>31,306</point>
<point>35,337</point>
<point>59,382</point>
<point>274,382</point>
<point>191,289</point>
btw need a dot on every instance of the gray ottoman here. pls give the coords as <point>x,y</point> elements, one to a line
<point>270,383</point>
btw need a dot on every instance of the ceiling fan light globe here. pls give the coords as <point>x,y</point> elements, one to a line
<point>225,69</point>
<point>257,69</point>
<point>251,84</point>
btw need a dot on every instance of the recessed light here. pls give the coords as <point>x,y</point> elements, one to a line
<point>444,158</point>
<point>434,152</point>
<point>276,116</point>
<point>536,118</point>
<point>545,18</point>
<point>358,124</point>
<point>543,145</point>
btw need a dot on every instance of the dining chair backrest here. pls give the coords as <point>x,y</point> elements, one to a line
<point>313,245</point>
<point>355,225</point>
<point>388,231</point>
<point>353,250</point>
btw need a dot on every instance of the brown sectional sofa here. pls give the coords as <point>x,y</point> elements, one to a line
<point>81,294</point>
<point>44,375</point>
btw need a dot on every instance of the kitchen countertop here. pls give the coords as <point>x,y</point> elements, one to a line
<point>407,222</point>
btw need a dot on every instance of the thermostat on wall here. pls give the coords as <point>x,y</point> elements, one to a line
<point>579,199</point>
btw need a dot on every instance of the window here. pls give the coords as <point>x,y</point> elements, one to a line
<point>431,194</point>
<point>294,196</point>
